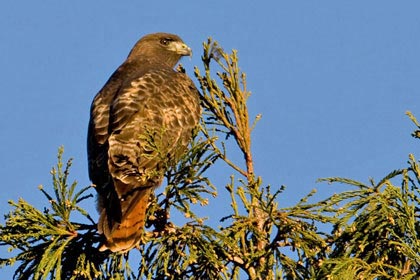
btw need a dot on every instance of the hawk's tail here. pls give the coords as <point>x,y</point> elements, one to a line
<point>123,232</point>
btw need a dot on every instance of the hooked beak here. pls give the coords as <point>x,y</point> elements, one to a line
<point>181,49</point>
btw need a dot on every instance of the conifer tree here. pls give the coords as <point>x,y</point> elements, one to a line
<point>372,229</point>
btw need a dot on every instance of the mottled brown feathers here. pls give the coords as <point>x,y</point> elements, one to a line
<point>145,101</point>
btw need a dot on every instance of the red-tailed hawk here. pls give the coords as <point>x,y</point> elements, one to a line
<point>140,120</point>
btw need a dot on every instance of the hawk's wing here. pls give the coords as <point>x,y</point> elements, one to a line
<point>98,130</point>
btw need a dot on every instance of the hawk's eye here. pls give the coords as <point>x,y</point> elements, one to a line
<point>165,41</point>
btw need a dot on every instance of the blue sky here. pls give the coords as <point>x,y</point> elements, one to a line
<point>332,80</point>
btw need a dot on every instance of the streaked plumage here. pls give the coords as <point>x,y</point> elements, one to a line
<point>140,120</point>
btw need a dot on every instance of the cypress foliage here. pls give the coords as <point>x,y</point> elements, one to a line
<point>370,231</point>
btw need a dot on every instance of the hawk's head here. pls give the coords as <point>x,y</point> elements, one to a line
<point>160,47</point>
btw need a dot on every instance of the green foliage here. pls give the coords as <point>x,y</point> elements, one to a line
<point>369,231</point>
<point>377,233</point>
<point>50,244</point>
